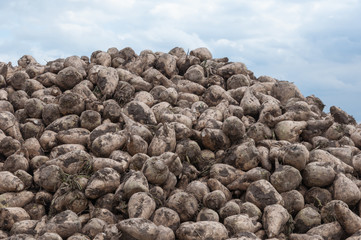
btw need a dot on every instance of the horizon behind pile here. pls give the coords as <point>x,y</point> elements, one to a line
<point>315,44</point>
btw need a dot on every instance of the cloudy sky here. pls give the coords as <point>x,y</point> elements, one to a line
<point>315,44</point>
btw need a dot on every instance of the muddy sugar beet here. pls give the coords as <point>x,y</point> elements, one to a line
<point>121,145</point>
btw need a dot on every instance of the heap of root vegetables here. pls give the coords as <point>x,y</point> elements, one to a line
<point>171,146</point>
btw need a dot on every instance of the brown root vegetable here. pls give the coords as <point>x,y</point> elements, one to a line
<point>214,200</point>
<point>242,182</point>
<point>137,182</point>
<point>189,207</point>
<point>274,219</point>
<point>262,193</point>
<point>31,128</point>
<point>201,230</point>
<point>215,94</point>
<point>103,214</point>
<point>64,123</point>
<point>163,141</point>
<point>25,177</point>
<point>155,170</point>
<point>244,156</point>
<point>214,139</point>
<point>289,130</point>
<point>71,103</point>
<point>64,148</point>
<point>78,236</point>
<point>107,81</point>
<point>65,198</point>
<point>19,199</point>
<point>284,90</point>
<point>101,58</point>
<point>9,125</point>
<point>286,178</point>
<point>137,161</point>
<point>136,144</point>
<point>198,189</point>
<point>123,92</point>
<point>104,181</point>
<point>169,184</point>
<point>181,130</point>
<point>73,136</point>
<point>343,153</point>
<point>138,228</point>
<point>207,214</point>
<point>165,233</point>
<point>259,132</point>
<point>238,80</point>
<point>111,110</point>
<point>318,155</point>
<point>295,155</point>
<point>169,95</point>
<point>209,114</point>
<point>241,223</point>
<point>50,113</point>
<point>85,90</point>
<point>93,227</point>
<point>331,230</point>
<point>318,174</point>
<point>167,65</point>
<point>105,144</point>
<point>352,196</point>
<point>356,137</point>
<point>328,211</point>
<point>166,217</point>
<point>100,163</point>
<point>251,210</point>
<point>65,224</point>
<point>250,104</point>
<point>35,210</point>
<point>48,140</point>
<point>299,236</point>
<point>349,221</point>
<point>48,177</point>
<point>223,173</point>
<point>34,107</point>
<point>9,146</point>
<point>306,219</point>
<point>10,215</point>
<point>16,162</point>
<point>18,99</point>
<point>68,77</point>
<point>23,227</point>
<point>17,81</point>
<point>293,201</point>
<point>318,196</point>
<point>141,205</point>
<point>202,53</point>
<point>43,197</point>
<point>230,69</point>
<point>103,129</point>
<point>234,128</point>
<point>10,183</point>
<point>33,147</point>
<point>229,209</point>
<point>140,112</point>
<point>145,97</point>
<point>134,128</point>
<point>90,119</point>
<point>214,185</point>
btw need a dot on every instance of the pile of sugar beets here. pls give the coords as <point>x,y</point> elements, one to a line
<point>171,146</point>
